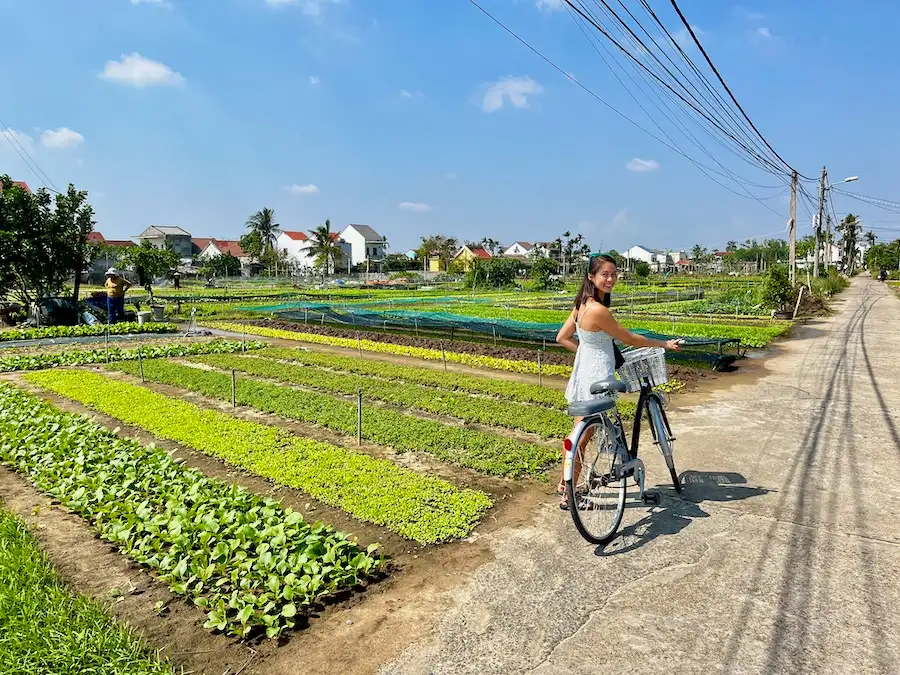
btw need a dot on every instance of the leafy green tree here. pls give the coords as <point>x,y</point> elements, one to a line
<point>222,265</point>
<point>850,230</point>
<point>642,269</point>
<point>325,250</point>
<point>149,262</point>
<point>445,247</point>
<point>252,245</point>
<point>43,240</point>
<point>542,273</point>
<point>776,288</point>
<point>493,273</point>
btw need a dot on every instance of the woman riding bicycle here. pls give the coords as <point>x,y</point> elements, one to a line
<point>595,326</point>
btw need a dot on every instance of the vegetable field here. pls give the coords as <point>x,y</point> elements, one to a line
<point>269,484</point>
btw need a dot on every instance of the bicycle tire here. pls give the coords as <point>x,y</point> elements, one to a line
<point>661,432</point>
<point>572,498</point>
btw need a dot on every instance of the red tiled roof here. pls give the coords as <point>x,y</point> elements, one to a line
<point>296,236</point>
<point>123,243</point>
<point>22,184</point>
<point>201,242</point>
<point>335,236</point>
<point>685,262</point>
<point>721,253</point>
<point>231,247</point>
<point>480,252</point>
<point>95,238</point>
<point>525,245</point>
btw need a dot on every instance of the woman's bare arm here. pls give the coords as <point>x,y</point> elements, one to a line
<point>567,332</point>
<point>599,317</point>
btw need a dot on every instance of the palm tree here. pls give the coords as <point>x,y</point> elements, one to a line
<point>849,229</point>
<point>263,224</point>
<point>870,238</point>
<point>325,249</point>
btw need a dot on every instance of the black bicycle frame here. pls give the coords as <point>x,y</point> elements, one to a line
<point>643,404</point>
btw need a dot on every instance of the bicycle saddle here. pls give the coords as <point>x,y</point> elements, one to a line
<point>607,386</point>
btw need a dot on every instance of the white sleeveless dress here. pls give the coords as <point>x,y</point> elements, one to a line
<point>595,360</point>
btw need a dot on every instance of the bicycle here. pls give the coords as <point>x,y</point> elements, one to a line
<point>614,462</point>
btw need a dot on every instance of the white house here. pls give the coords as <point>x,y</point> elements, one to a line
<point>295,245</point>
<point>365,243</point>
<point>519,249</point>
<point>217,247</point>
<point>412,254</point>
<point>654,257</point>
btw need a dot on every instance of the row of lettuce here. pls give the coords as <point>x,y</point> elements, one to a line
<point>94,330</point>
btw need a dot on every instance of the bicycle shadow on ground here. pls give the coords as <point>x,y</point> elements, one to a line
<point>675,512</point>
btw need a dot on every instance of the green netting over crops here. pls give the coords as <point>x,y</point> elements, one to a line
<point>710,350</point>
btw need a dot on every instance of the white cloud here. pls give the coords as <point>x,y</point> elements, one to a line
<point>639,165</point>
<point>514,89</point>
<point>550,5</point>
<point>137,71</point>
<point>158,3</point>
<point>311,8</point>
<point>61,138</point>
<point>683,37</point>
<point>418,207</point>
<point>16,139</point>
<point>405,94</point>
<point>619,221</point>
<point>302,189</point>
<point>763,33</point>
<point>314,79</point>
<point>450,176</point>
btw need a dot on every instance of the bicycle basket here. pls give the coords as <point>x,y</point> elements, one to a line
<point>645,362</point>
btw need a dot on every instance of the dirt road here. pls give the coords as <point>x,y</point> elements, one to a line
<point>781,556</point>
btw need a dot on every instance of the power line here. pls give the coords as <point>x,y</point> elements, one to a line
<point>695,106</point>
<point>725,86</point>
<point>595,96</point>
<point>23,154</point>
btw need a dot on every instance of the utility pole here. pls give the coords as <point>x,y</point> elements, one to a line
<point>792,224</point>
<point>827,249</point>
<point>819,221</point>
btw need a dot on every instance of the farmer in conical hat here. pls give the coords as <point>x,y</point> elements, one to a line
<point>116,285</point>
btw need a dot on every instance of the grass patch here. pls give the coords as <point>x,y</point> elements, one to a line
<point>46,628</point>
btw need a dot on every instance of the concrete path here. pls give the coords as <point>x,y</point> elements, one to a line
<point>782,556</point>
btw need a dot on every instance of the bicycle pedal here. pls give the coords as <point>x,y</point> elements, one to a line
<point>651,498</point>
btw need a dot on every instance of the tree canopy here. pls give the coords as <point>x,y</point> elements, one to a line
<point>43,241</point>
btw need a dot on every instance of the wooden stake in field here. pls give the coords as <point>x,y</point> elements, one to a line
<point>359,416</point>
<point>540,369</point>
<point>358,345</point>
<point>233,389</point>
<point>244,337</point>
<point>107,342</point>
<point>141,364</point>
<point>444,356</point>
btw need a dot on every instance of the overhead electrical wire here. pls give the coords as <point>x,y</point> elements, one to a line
<point>725,86</point>
<point>725,172</point>
<point>666,139</point>
<point>25,156</point>
<point>586,89</point>
<point>695,105</point>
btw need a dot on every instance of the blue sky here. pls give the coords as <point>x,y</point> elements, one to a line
<point>424,117</point>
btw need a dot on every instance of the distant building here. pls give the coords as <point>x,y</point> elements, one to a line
<point>656,258</point>
<point>109,255</point>
<point>295,246</point>
<point>365,243</point>
<point>412,254</point>
<point>468,254</point>
<point>519,249</point>
<point>20,184</point>
<point>218,247</point>
<point>176,237</point>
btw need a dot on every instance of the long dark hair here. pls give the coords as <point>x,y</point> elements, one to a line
<point>588,289</point>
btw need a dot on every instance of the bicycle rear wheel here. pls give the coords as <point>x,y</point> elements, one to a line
<point>596,499</point>
<point>663,438</point>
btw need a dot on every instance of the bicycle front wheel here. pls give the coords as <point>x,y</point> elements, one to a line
<point>663,438</point>
<point>596,498</point>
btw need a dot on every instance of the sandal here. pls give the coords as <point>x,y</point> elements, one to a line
<point>564,498</point>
